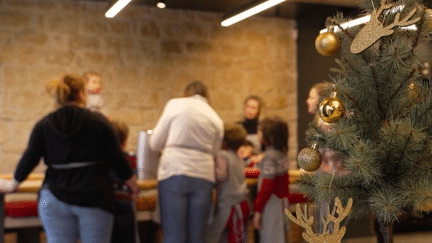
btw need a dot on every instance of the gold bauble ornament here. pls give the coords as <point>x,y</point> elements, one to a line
<point>428,18</point>
<point>327,43</point>
<point>309,159</point>
<point>331,109</point>
<point>412,90</point>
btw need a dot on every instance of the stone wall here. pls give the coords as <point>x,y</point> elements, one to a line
<point>146,56</point>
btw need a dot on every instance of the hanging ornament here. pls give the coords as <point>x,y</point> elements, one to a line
<point>412,90</point>
<point>309,158</point>
<point>331,109</point>
<point>327,43</point>
<point>350,113</point>
<point>428,18</point>
<point>375,29</point>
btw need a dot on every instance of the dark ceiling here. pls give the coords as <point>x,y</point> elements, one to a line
<point>292,9</point>
<point>288,9</point>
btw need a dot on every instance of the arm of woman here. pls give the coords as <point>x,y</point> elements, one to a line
<point>219,138</point>
<point>160,131</point>
<point>29,160</point>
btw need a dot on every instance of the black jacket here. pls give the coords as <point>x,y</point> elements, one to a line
<point>76,135</point>
<point>251,126</point>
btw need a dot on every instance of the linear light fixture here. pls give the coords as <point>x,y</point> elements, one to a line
<point>366,19</point>
<point>161,4</point>
<point>116,8</point>
<point>247,11</point>
<point>360,21</point>
<point>349,24</point>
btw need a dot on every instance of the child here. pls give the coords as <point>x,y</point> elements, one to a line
<point>245,152</point>
<point>95,101</point>
<point>232,210</point>
<point>125,226</point>
<point>251,160</point>
<point>272,197</point>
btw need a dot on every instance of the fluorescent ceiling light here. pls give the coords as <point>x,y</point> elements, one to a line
<point>360,21</point>
<point>115,9</point>
<point>249,12</point>
<point>161,4</point>
<point>349,24</point>
<point>366,19</point>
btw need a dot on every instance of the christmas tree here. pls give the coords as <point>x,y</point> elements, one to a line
<point>380,114</point>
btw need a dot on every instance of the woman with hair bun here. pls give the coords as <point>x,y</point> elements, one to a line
<point>76,200</point>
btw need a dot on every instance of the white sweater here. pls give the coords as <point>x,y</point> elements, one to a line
<point>190,134</point>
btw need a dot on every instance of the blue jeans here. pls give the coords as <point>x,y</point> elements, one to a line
<point>66,223</point>
<point>185,204</point>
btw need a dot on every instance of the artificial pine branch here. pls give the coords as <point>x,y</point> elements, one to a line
<point>387,141</point>
<point>359,108</point>
<point>403,84</point>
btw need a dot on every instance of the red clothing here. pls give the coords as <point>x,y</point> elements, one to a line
<point>273,178</point>
<point>237,223</point>
<point>278,186</point>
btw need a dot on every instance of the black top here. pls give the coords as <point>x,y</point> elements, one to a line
<point>251,125</point>
<point>76,135</point>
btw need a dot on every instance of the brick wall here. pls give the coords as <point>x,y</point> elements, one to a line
<point>146,56</point>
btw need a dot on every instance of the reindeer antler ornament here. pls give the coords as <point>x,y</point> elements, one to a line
<point>374,29</point>
<point>327,237</point>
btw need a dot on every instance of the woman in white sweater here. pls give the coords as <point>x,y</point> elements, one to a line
<point>189,133</point>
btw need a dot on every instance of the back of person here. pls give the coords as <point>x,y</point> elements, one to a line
<point>125,228</point>
<point>192,138</point>
<point>272,197</point>
<point>274,165</point>
<point>78,146</point>
<point>196,117</point>
<point>81,136</point>
<point>232,210</point>
<point>189,134</point>
<point>234,189</point>
<point>229,223</point>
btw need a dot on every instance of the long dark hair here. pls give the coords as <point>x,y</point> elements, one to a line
<point>275,133</point>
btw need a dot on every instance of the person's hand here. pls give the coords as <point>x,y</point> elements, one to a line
<point>7,186</point>
<point>133,186</point>
<point>255,159</point>
<point>257,220</point>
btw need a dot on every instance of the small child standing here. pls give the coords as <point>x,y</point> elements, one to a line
<point>95,101</point>
<point>232,209</point>
<point>273,182</point>
<point>125,228</point>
